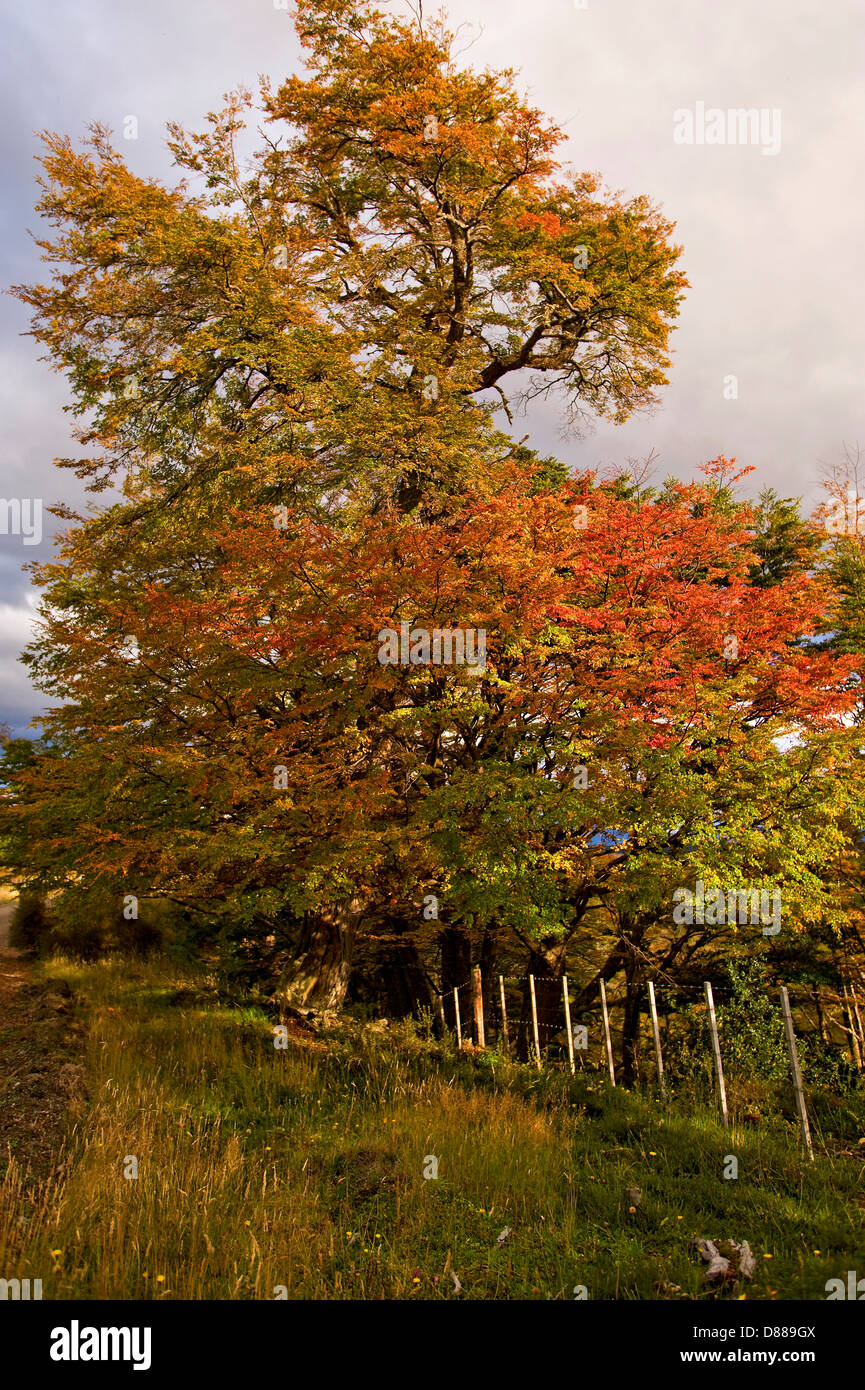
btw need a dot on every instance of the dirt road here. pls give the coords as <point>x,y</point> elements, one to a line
<point>6,911</point>
<point>40,1061</point>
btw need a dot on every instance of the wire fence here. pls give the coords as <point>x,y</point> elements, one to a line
<point>505,1008</point>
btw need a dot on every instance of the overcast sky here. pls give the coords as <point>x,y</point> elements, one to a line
<point>772,241</point>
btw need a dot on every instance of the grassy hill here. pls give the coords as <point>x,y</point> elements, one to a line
<point>262,1170</point>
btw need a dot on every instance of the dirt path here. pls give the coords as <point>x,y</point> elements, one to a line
<point>40,1067</point>
<point>6,911</point>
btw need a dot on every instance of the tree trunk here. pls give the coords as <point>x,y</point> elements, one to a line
<point>546,963</point>
<point>632,932</point>
<point>818,1008</point>
<point>631,1033</point>
<point>489,983</point>
<point>318,976</point>
<point>456,971</point>
<point>406,985</point>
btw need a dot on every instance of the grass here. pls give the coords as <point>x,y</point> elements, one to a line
<point>303,1170</point>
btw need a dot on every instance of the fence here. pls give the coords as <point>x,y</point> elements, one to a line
<point>469,1019</point>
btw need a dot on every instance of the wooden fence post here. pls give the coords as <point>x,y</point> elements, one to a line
<point>457,1017</point>
<point>658,1055</point>
<point>608,1039</point>
<point>568,1028</point>
<point>535,1021</point>
<point>505,1037</point>
<point>794,1069</point>
<point>442,1012</point>
<point>478,997</point>
<point>716,1049</point>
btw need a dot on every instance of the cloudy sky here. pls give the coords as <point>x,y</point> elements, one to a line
<point>772,240</point>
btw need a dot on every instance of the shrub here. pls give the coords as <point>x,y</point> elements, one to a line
<point>827,1064</point>
<point>31,924</point>
<point>82,939</point>
<point>137,936</point>
<point>751,1026</point>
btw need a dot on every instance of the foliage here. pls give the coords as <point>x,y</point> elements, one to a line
<point>751,1024</point>
<point>293,368</point>
<point>30,923</point>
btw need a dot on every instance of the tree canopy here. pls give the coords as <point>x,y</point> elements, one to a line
<point>293,371</point>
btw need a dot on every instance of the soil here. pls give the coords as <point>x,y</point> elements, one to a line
<point>41,1070</point>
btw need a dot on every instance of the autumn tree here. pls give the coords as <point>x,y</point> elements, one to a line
<point>447,239</point>
<point>292,370</point>
<point>841,519</point>
<point>818,800</point>
<point>322,334</point>
<point>237,742</point>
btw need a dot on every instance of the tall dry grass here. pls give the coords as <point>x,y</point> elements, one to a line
<point>303,1170</point>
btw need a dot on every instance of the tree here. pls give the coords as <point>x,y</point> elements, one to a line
<point>444,239</point>
<point>293,372</point>
<point>443,265</point>
<point>783,542</point>
<point>319,339</point>
<point>238,736</point>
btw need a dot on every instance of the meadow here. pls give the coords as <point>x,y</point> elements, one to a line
<point>299,1172</point>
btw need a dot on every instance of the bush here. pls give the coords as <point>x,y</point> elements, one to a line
<point>751,1026</point>
<point>82,940</point>
<point>30,925</point>
<point>138,936</point>
<point>688,1050</point>
<point>827,1064</point>
<point>85,928</point>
